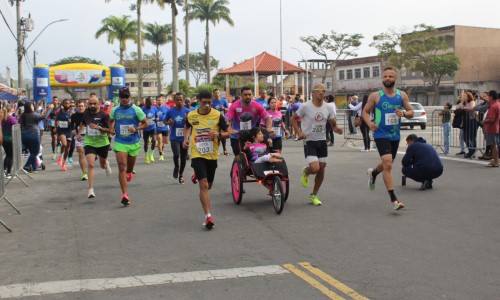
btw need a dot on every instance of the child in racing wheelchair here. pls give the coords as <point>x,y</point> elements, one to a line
<point>254,147</point>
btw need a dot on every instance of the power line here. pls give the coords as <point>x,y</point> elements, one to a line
<point>8,26</point>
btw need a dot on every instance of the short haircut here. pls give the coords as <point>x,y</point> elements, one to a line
<point>493,94</point>
<point>412,137</point>
<point>55,97</point>
<point>204,94</point>
<point>390,68</point>
<point>160,95</point>
<point>178,94</point>
<point>93,94</point>
<point>215,90</point>
<point>330,98</point>
<point>448,105</point>
<point>246,88</point>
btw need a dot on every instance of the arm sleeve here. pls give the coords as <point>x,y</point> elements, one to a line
<point>112,113</point>
<point>140,114</point>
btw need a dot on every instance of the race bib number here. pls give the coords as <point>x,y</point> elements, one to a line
<point>179,132</point>
<point>63,124</point>
<point>206,147</point>
<point>93,132</point>
<point>277,130</point>
<point>124,129</point>
<point>246,125</point>
<point>160,124</point>
<point>391,119</point>
<point>151,122</point>
<point>318,128</point>
<point>53,123</point>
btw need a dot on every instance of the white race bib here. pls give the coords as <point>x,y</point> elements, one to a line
<point>53,123</point>
<point>151,122</point>
<point>205,147</point>
<point>63,124</point>
<point>124,129</point>
<point>160,124</point>
<point>277,131</point>
<point>391,119</point>
<point>318,128</point>
<point>179,132</point>
<point>83,131</point>
<point>246,125</point>
<point>93,132</point>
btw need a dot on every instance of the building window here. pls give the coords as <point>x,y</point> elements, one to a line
<point>366,72</point>
<point>328,86</point>
<point>357,73</point>
<point>376,72</point>
<point>349,74</point>
<point>132,84</point>
<point>146,84</point>
<point>341,75</point>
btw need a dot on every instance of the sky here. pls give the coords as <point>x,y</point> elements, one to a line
<point>256,27</point>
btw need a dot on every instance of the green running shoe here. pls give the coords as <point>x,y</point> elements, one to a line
<point>314,199</point>
<point>304,178</point>
<point>85,176</point>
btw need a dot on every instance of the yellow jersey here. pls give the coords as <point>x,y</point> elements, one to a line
<point>201,143</point>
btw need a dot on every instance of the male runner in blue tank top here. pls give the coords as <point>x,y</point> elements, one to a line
<point>388,104</point>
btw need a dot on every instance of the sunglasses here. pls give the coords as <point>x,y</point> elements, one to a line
<point>320,90</point>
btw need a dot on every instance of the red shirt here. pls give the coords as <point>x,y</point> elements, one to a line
<point>170,104</point>
<point>493,114</point>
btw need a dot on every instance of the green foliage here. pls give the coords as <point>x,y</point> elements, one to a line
<point>184,88</point>
<point>197,65</point>
<point>75,59</point>
<point>220,80</point>
<point>158,34</point>
<point>120,29</point>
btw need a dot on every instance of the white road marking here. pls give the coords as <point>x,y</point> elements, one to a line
<point>84,285</point>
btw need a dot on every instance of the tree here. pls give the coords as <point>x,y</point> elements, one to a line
<point>158,35</point>
<point>74,60</point>
<point>119,29</point>
<point>137,8</point>
<point>421,50</point>
<point>220,80</point>
<point>184,88</point>
<point>210,11</point>
<point>198,66</point>
<point>342,45</point>
<point>149,65</point>
<point>175,63</point>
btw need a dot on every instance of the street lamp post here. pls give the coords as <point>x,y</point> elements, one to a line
<point>307,73</point>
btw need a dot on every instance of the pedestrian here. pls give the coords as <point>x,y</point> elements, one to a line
<point>330,137</point>
<point>388,104</point>
<point>29,134</point>
<point>421,162</point>
<point>7,122</point>
<point>445,120</point>
<point>125,122</point>
<point>221,105</point>
<point>162,129</point>
<point>204,127</point>
<point>176,119</point>
<point>63,129</point>
<point>76,120</point>
<point>278,127</point>
<point>351,114</point>
<point>491,125</point>
<point>315,114</point>
<point>149,133</point>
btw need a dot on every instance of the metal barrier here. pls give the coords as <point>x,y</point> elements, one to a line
<point>470,136</point>
<point>351,132</point>
<point>3,191</point>
<point>17,150</point>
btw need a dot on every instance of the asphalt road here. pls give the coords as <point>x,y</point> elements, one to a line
<point>444,245</point>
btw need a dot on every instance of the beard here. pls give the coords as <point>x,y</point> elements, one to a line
<point>389,84</point>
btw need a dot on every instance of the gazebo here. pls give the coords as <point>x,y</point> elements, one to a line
<point>264,64</point>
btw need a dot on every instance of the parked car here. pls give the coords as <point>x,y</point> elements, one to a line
<point>419,117</point>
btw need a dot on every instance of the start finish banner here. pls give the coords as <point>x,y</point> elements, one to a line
<point>79,75</point>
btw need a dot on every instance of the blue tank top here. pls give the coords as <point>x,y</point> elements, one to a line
<point>388,122</point>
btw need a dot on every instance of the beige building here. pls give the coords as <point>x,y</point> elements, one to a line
<point>149,83</point>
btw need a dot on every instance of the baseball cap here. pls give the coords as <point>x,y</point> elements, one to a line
<point>107,103</point>
<point>124,93</point>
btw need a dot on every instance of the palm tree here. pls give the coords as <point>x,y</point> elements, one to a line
<point>137,7</point>
<point>210,11</point>
<point>158,35</point>
<point>175,63</point>
<point>187,6</point>
<point>118,28</point>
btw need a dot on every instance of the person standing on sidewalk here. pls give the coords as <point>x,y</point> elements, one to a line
<point>491,125</point>
<point>125,121</point>
<point>388,104</point>
<point>445,119</point>
<point>315,114</point>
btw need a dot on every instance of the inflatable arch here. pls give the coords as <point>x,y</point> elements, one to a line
<point>78,75</point>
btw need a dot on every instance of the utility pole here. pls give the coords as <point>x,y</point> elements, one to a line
<point>34,57</point>
<point>187,39</point>
<point>19,45</point>
<point>175,67</point>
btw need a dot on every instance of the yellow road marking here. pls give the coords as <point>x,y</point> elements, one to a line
<point>312,282</point>
<point>332,281</point>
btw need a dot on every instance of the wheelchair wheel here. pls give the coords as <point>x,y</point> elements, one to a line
<point>286,188</point>
<point>277,195</point>
<point>237,182</point>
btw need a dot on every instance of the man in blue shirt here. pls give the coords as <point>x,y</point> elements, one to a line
<point>263,99</point>
<point>176,118</point>
<point>421,162</point>
<point>221,105</point>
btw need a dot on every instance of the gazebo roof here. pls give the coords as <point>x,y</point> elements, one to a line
<point>265,64</point>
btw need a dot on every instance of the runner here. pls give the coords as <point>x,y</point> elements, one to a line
<point>76,120</point>
<point>125,121</point>
<point>221,105</point>
<point>96,125</point>
<point>388,104</point>
<point>63,119</point>
<point>315,114</point>
<point>71,143</point>
<point>162,129</point>
<point>176,118</point>
<point>277,126</point>
<point>149,133</point>
<point>244,115</point>
<point>51,121</point>
<point>206,126</point>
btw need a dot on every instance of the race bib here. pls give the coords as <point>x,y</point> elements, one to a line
<point>83,131</point>
<point>151,122</point>
<point>277,131</point>
<point>391,119</point>
<point>319,128</point>
<point>206,147</point>
<point>160,124</point>
<point>53,123</point>
<point>63,124</point>
<point>93,132</point>
<point>246,125</point>
<point>124,129</point>
<point>179,132</point>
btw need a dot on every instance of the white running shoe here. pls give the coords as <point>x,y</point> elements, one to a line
<point>91,193</point>
<point>108,169</point>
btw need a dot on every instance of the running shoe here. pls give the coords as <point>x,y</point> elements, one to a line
<point>161,157</point>
<point>129,176</point>
<point>8,176</point>
<point>176,172</point>
<point>85,176</point>
<point>91,193</point>
<point>314,200</point>
<point>371,180</point>
<point>304,178</point>
<point>181,179</point>
<point>70,160</point>
<point>58,149</point>
<point>54,156</point>
<point>59,160</point>
<point>125,199</point>
<point>63,167</point>
<point>209,223</point>
<point>108,169</point>
<point>147,159</point>
<point>133,171</point>
<point>152,157</point>
<point>397,205</point>
<point>194,179</point>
